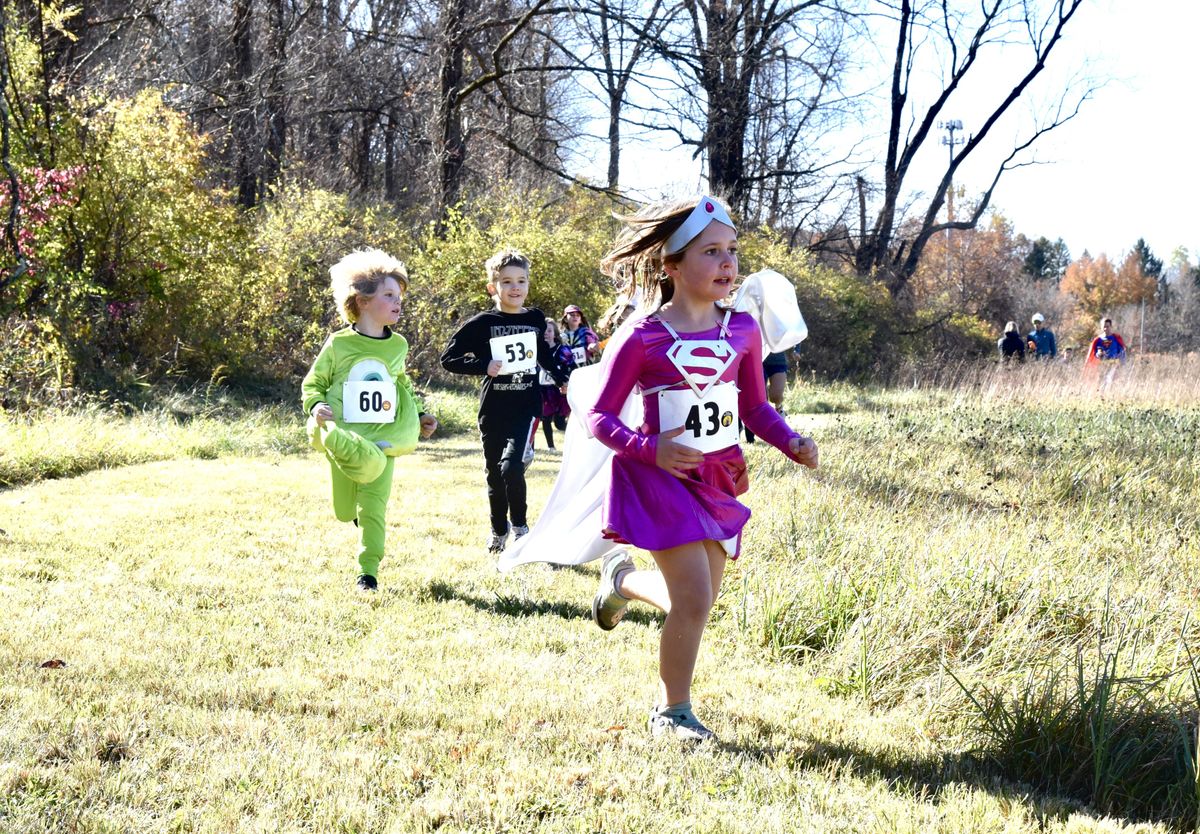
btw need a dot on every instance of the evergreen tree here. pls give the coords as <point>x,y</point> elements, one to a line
<point>1047,261</point>
<point>1152,267</point>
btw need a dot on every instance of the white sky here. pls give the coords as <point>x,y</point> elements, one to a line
<point>1126,167</point>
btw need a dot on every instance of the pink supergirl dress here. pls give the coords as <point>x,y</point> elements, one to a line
<point>646,506</point>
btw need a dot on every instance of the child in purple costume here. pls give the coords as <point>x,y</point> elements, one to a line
<point>676,478</point>
<point>555,408</point>
<point>648,507</point>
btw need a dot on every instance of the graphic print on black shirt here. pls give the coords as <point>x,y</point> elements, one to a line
<point>470,352</point>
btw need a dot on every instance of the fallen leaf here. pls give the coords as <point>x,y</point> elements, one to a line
<point>615,728</point>
<point>54,664</point>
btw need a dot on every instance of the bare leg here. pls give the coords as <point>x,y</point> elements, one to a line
<point>691,575</point>
<point>776,383</point>
<point>650,587</point>
<point>645,585</point>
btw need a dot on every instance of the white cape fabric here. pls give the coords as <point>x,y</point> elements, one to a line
<point>569,529</point>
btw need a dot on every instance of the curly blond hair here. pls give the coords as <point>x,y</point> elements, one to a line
<point>359,274</point>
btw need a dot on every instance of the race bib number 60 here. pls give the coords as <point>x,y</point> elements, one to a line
<point>516,352</point>
<point>709,423</point>
<point>372,401</point>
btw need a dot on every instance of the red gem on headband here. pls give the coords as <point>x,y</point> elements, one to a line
<point>709,208</point>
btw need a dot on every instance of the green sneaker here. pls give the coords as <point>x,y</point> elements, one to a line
<point>608,606</point>
<point>682,724</point>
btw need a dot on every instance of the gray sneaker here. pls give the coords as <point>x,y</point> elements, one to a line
<point>519,531</point>
<point>608,606</point>
<point>685,726</point>
<point>497,542</point>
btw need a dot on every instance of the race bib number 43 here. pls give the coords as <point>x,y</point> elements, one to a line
<point>517,352</point>
<point>709,423</point>
<point>371,401</point>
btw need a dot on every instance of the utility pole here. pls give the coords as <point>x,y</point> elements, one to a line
<point>950,125</point>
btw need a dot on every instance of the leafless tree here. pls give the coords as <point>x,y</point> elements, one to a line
<point>888,248</point>
<point>617,35</point>
<point>509,80</point>
<point>731,55</point>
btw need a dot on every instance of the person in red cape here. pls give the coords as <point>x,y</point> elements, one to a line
<point>1108,346</point>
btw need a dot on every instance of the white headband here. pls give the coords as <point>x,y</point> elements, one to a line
<point>706,210</point>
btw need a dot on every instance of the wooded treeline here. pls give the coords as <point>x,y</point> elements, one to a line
<point>420,103</point>
<point>150,143</point>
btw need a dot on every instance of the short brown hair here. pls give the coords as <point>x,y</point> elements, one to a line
<point>505,258</point>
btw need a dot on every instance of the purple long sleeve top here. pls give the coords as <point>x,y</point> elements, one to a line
<point>641,359</point>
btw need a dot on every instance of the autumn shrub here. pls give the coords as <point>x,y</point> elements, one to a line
<point>163,249</point>
<point>287,310</point>
<point>850,321</point>
<point>126,277</point>
<point>564,235</point>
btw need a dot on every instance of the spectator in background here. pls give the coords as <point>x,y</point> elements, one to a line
<point>1108,346</point>
<point>613,317</point>
<point>1011,344</point>
<point>578,335</point>
<point>1041,339</point>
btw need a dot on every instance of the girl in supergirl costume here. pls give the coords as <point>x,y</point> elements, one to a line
<point>675,479</point>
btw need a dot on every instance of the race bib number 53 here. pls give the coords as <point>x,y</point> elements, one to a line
<point>517,352</point>
<point>371,401</point>
<point>709,423</point>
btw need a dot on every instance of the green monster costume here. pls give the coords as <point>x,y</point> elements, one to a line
<point>375,418</point>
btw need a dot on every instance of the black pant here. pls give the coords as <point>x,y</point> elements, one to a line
<point>549,424</point>
<point>505,443</point>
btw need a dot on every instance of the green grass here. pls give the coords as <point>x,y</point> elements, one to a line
<point>62,442</point>
<point>222,675</point>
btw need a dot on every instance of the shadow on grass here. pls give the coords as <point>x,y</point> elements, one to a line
<point>928,777</point>
<point>519,606</point>
<point>1115,756</point>
<point>444,451</point>
<point>922,776</point>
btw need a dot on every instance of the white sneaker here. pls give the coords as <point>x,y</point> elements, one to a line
<point>520,531</point>
<point>608,606</point>
<point>496,542</point>
<point>685,726</point>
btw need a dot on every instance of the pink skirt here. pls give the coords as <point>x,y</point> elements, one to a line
<point>652,509</point>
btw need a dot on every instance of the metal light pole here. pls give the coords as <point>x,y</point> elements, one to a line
<point>950,125</point>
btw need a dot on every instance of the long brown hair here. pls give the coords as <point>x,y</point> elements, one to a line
<point>635,261</point>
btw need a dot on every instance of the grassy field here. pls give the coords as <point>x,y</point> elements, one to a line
<point>978,615</point>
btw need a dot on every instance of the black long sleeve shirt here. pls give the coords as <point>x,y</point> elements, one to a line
<point>503,395</point>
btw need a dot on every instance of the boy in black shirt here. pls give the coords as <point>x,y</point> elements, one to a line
<point>505,346</point>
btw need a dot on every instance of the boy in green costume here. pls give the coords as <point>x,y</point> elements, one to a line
<point>360,400</point>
